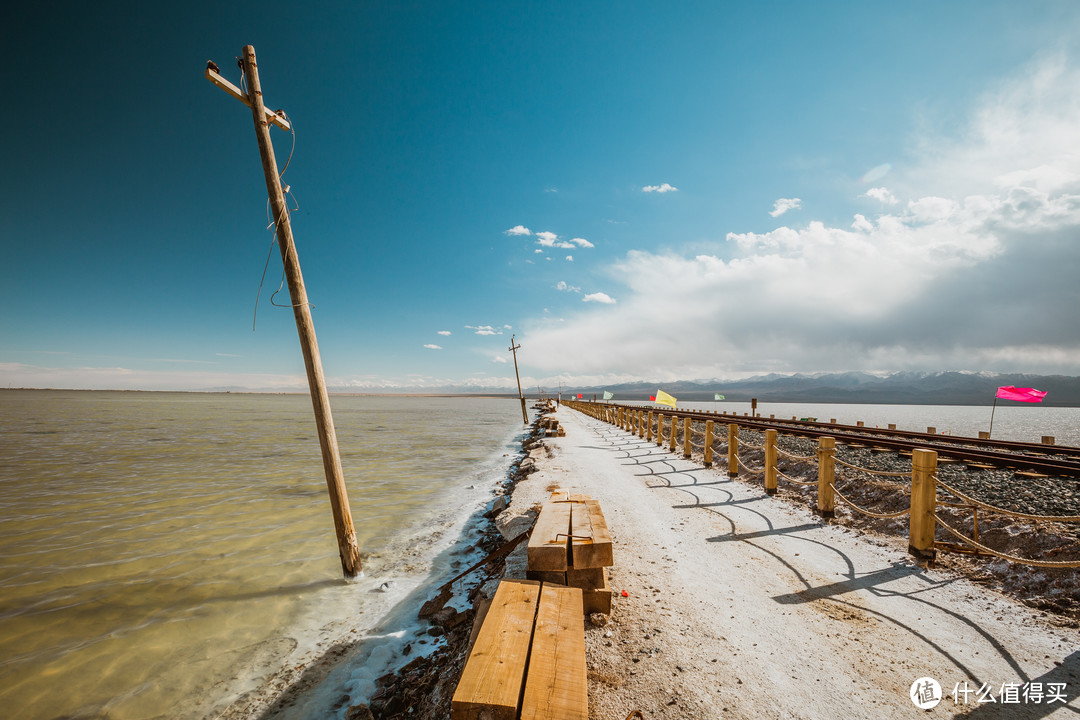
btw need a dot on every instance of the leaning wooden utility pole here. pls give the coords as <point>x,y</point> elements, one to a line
<point>335,477</point>
<point>514,348</point>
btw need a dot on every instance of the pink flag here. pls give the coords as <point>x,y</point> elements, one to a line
<point>1009,392</point>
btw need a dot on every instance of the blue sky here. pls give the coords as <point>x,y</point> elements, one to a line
<point>636,190</point>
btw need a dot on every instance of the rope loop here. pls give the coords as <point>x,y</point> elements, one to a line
<point>864,511</point>
<point>1005,556</point>
<point>804,458</point>
<point>780,473</point>
<point>747,468</point>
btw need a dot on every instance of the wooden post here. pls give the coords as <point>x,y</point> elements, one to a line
<point>708,442</point>
<point>641,423</point>
<point>826,500</point>
<point>660,428</point>
<point>1047,439</point>
<point>324,421</point>
<point>923,525</point>
<point>770,462</point>
<point>732,449</point>
<point>686,436</point>
<point>648,428</point>
<point>674,434</point>
<point>514,348</point>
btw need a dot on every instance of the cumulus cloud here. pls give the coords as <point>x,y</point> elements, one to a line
<point>443,332</point>
<point>582,242</point>
<point>782,205</point>
<point>663,188</point>
<point>566,288</point>
<point>433,347</point>
<point>569,258</point>
<point>518,230</point>
<point>498,359</point>
<point>483,330</point>
<point>599,297</point>
<point>882,195</point>
<point>975,272</point>
<point>546,238</point>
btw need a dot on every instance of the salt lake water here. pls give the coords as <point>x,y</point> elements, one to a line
<point>160,553</point>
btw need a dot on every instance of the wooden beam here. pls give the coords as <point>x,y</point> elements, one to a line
<point>556,687</point>
<point>490,685</point>
<point>592,541</point>
<point>549,543</point>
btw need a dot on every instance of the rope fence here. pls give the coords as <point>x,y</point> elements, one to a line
<point>925,487</point>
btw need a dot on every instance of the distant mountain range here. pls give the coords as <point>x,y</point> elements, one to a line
<point>901,388</point>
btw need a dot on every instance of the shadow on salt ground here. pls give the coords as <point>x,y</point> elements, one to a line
<point>1058,686</point>
<point>868,581</point>
<point>865,582</point>
<point>762,533</point>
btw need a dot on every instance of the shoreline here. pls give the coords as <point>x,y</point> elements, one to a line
<point>351,677</point>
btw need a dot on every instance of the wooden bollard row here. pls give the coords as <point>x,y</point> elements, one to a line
<point>921,527</point>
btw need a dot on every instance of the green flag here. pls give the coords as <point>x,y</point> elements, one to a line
<point>607,395</point>
<point>717,396</point>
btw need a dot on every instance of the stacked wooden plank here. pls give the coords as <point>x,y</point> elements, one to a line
<point>570,545</point>
<point>528,660</point>
<point>551,427</point>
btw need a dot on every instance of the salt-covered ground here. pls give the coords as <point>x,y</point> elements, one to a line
<point>742,605</point>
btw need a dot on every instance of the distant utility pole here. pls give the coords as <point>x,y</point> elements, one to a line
<point>514,348</point>
<point>335,477</point>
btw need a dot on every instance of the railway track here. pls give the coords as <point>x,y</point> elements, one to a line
<point>1053,460</point>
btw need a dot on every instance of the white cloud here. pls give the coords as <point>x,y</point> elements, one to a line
<point>975,272</point>
<point>566,288</point>
<point>537,250</point>
<point>483,330</point>
<point>546,238</point>
<point>582,242</point>
<point>664,188</point>
<point>782,205</point>
<point>443,332</point>
<point>499,359</point>
<point>569,258</point>
<point>599,297</point>
<point>433,347</point>
<point>518,230</point>
<point>882,194</point>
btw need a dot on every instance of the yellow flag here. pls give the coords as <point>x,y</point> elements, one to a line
<point>662,398</point>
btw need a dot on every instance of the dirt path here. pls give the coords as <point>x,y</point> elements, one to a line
<point>743,606</point>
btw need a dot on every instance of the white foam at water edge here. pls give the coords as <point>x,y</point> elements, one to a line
<point>377,613</point>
